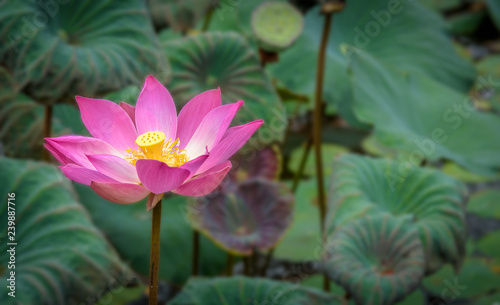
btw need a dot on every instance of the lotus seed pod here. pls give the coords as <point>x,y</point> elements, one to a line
<point>276,25</point>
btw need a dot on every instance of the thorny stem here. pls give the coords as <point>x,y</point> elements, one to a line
<point>196,252</point>
<point>47,125</point>
<point>317,131</point>
<point>155,255</point>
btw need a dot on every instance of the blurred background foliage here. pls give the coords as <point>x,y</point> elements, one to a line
<point>411,151</point>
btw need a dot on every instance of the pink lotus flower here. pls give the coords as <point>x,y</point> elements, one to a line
<point>148,150</point>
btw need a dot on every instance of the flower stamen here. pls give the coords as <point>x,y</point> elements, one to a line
<point>152,145</point>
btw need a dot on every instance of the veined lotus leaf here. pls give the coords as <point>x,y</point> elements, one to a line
<point>21,127</point>
<point>262,163</point>
<point>378,259</point>
<point>57,49</point>
<point>128,228</point>
<point>60,257</point>
<point>180,15</point>
<point>21,121</point>
<point>250,291</point>
<point>453,129</point>
<point>382,29</point>
<point>253,215</point>
<point>225,60</point>
<point>425,198</point>
<point>276,25</point>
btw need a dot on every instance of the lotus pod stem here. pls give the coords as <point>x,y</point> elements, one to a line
<point>155,254</point>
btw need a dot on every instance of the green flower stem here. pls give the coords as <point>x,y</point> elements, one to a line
<point>318,114</point>
<point>254,260</point>
<point>208,18</point>
<point>267,57</point>
<point>229,264</point>
<point>267,261</point>
<point>47,126</point>
<point>196,253</point>
<point>302,165</point>
<point>246,265</point>
<point>155,255</point>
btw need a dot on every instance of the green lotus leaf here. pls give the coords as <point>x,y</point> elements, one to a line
<point>250,216</point>
<point>476,278</point>
<point>490,244</point>
<point>225,60</point>
<point>128,228</point>
<point>466,23</point>
<point>230,15</point>
<point>249,291</point>
<point>487,87</point>
<point>382,29</point>
<point>60,256</point>
<point>441,5</point>
<point>316,281</point>
<point>373,147</point>
<point>58,49</point>
<point>417,297</point>
<point>377,259</point>
<point>179,15</point>
<point>485,203</point>
<point>301,231</point>
<point>21,121</point>
<point>328,152</point>
<point>494,10</point>
<point>490,299</point>
<point>276,25</point>
<point>127,95</point>
<point>427,199</point>
<point>453,129</point>
<point>462,174</point>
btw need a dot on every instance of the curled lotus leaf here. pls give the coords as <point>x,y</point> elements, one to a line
<point>427,199</point>
<point>250,216</point>
<point>378,259</point>
<point>57,49</point>
<point>250,291</point>
<point>264,163</point>
<point>276,25</point>
<point>226,60</point>
<point>60,257</point>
